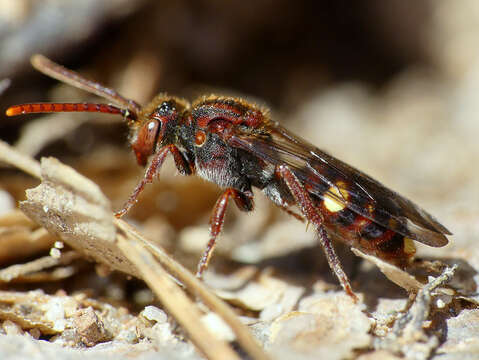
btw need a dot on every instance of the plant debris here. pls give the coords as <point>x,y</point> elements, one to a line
<point>411,122</point>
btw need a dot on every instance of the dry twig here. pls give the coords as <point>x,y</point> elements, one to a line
<point>72,207</point>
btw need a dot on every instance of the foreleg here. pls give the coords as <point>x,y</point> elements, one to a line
<point>152,170</point>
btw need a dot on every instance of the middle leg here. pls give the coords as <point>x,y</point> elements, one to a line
<point>244,202</point>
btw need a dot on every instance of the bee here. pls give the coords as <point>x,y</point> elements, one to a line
<point>236,145</point>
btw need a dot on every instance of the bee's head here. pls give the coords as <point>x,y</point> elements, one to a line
<point>156,126</point>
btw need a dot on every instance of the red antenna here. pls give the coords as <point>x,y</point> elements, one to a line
<point>64,107</point>
<point>128,108</point>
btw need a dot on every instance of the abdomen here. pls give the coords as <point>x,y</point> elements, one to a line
<point>360,232</point>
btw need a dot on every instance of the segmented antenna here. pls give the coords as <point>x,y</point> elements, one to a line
<point>66,107</point>
<point>56,71</point>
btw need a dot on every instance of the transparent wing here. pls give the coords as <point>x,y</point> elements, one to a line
<point>323,175</point>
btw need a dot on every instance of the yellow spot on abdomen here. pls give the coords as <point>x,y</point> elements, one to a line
<point>409,247</point>
<point>335,192</point>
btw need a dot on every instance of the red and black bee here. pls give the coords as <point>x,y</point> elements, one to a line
<point>236,145</point>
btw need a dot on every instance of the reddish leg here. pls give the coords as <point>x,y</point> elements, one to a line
<point>152,170</point>
<point>291,212</point>
<point>244,202</point>
<point>311,213</point>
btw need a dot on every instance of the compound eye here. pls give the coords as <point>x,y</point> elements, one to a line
<point>145,142</point>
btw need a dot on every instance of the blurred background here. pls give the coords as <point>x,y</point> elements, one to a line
<point>277,51</point>
<point>390,87</point>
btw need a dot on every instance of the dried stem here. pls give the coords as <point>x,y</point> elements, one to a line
<point>175,301</point>
<point>198,288</point>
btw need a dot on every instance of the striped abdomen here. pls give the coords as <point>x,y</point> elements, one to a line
<point>360,232</point>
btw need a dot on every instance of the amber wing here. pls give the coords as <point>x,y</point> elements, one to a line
<point>322,174</point>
